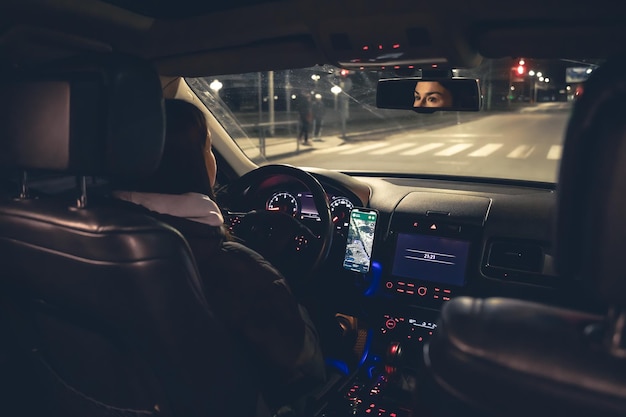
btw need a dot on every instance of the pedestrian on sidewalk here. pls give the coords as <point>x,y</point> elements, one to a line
<point>318,116</point>
<point>305,111</point>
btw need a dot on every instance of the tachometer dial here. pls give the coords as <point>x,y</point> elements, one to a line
<point>283,202</point>
<point>339,210</point>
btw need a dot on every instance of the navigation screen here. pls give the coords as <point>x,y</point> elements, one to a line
<point>360,240</point>
<point>431,258</point>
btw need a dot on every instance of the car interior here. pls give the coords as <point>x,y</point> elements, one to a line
<point>433,293</point>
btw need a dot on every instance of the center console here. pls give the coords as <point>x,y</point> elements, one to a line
<point>428,254</point>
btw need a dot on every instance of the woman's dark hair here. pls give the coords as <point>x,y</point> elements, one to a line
<point>182,168</point>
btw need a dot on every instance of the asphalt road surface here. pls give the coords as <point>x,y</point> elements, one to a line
<point>522,145</point>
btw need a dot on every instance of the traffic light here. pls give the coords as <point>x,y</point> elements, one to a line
<point>344,72</point>
<point>521,69</point>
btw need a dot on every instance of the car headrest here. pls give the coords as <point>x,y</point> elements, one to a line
<point>97,114</point>
<point>591,213</point>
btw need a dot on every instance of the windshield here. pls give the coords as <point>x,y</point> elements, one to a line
<point>327,117</point>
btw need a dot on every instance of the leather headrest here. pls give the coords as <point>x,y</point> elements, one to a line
<point>591,218</point>
<point>98,114</point>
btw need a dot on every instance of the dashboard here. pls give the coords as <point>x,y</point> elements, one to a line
<point>436,239</point>
<point>479,238</point>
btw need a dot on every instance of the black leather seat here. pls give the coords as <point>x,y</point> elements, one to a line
<point>505,357</point>
<point>102,308</point>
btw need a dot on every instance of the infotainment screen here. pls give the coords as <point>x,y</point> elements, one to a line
<point>431,258</point>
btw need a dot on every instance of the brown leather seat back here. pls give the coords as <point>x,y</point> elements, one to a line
<point>103,304</point>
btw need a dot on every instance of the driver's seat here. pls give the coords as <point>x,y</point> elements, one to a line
<point>102,307</point>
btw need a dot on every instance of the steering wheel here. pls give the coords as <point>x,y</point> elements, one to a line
<point>289,245</point>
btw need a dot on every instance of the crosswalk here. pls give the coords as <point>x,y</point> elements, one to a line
<point>442,150</point>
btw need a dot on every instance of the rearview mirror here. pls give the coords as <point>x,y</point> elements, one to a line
<point>427,95</point>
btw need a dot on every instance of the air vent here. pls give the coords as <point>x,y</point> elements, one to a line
<point>516,256</point>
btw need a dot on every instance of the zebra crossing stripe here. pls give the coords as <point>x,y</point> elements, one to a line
<point>521,152</point>
<point>392,149</point>
<point>454,149</point>
<point>555,152</point>
<point>422,149</point>
<point>441,149</point>
<point>363,149</point>
<point>336,149</point>
<point>486,150</point>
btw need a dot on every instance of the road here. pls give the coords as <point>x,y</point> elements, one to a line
<point>521,145</point>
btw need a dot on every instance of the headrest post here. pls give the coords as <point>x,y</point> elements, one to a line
<point>615,340</point>
<point>23,195</point>
<point>81,181</point>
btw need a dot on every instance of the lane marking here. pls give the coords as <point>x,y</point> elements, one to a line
<point>453,150</point>
<point>363,149</point>
<point>422,149</point>
<point>521,152</point>
<point>392,149</point>
<point>486,150</point>
<point>555,152</point>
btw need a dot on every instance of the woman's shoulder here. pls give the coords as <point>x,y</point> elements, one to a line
<point>194,207</point>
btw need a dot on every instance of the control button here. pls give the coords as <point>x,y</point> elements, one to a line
<point>389,285</point>
<point>390,324</point>
<point>422,291</point>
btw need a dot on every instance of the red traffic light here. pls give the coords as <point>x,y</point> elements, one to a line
<point>344,72</point>
<point>520,70</point>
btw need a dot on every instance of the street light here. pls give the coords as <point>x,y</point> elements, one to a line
<point>335,89</point>
<point>216,86</point>
<point>315,77</point>
<point>547,80</point>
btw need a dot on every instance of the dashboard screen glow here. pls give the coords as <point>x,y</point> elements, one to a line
<point>431,258</point>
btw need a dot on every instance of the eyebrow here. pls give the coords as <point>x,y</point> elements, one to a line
<point>430,93</point>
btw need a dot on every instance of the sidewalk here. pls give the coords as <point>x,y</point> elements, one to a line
<point>280,147</point>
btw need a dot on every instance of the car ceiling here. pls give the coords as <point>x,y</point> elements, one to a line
<point>183,37</point>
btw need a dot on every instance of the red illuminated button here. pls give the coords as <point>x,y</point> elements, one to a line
<point>390,324</point>
<point>389,284</point>
<point>422,291</point>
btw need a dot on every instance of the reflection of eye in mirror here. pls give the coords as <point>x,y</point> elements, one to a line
<point>429,95</point>
<point>432,94</point>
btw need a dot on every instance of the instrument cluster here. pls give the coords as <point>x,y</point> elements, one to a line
<point>301,206</point>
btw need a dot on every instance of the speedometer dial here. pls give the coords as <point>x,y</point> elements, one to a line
<point>283,202</point>
<point>340,209</point>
